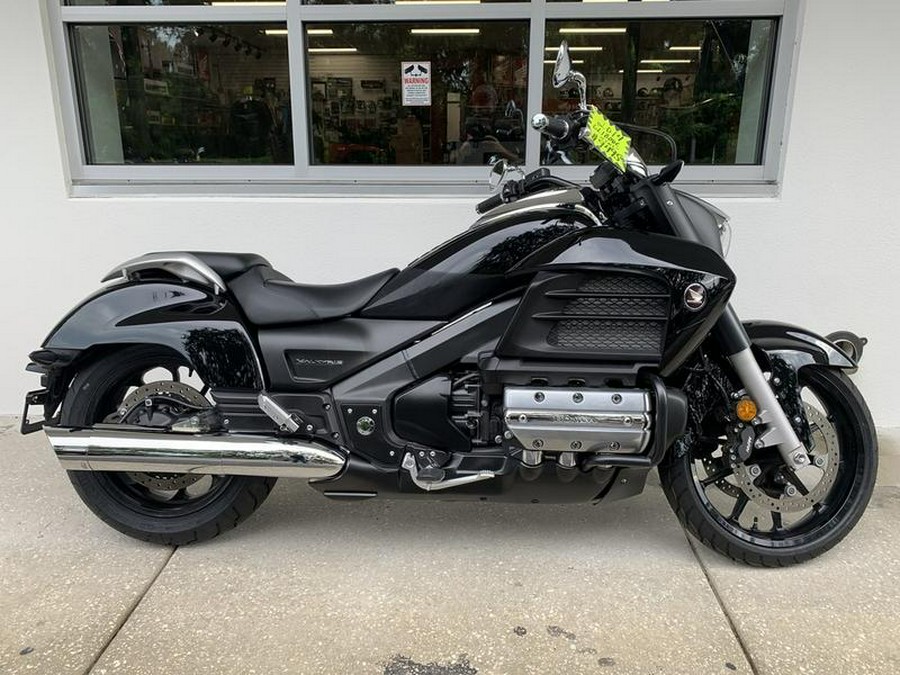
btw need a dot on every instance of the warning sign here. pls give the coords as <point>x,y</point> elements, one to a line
<point>416,79</point>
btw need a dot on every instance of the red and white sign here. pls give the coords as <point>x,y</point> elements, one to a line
<point>416,79</point>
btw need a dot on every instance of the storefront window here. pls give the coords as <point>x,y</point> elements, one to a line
<point>704,84</point>
<point>294,89</point>
<point>211,3</point>
<point>214,94</point>
<point>413,94</point>
<point>461,3</point>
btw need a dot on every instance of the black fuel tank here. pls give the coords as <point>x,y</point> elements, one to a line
<point>472,268</point>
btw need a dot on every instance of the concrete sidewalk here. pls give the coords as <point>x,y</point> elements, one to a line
<point>413,588</point>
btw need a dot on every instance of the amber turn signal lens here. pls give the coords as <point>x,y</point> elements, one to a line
<point>745,410</point>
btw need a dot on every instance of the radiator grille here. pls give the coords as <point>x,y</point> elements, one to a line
<point>625,307</point>
<point>615,315</point>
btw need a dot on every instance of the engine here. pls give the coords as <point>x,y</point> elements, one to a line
<point>552,419</point>
<point>458,413</point>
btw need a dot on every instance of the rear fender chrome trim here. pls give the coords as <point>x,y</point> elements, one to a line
<point>185,266</point>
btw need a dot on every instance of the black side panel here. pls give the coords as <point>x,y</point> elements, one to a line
<point>370,392</point>
<point>422,415</point>
<point>205,328</point>
<point>609,254</point>
<point>468,270</point>
<point>316,355</point>
<point>591,316</point>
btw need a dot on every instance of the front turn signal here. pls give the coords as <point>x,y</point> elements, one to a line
<point>745,409</point>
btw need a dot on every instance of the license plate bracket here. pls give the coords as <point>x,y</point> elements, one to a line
<point>38,397</point>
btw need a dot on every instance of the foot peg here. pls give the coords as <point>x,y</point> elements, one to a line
<point>432,478</point>
<point>285,420</point>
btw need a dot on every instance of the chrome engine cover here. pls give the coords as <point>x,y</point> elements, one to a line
<point>555,419</point>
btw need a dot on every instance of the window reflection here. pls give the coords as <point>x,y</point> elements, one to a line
<point>704,84</point>
<point>189,94</point>
<point>361,111</point>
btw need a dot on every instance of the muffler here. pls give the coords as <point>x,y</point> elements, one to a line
<point>160,452</point>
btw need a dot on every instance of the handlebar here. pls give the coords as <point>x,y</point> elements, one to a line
<point>555,127</point>
<point>491,202</point>
<point>534,182</point>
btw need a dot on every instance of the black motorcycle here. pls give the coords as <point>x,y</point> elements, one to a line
<point>571,340</point>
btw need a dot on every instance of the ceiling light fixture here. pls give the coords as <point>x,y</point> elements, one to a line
<point>445,31</point>
<point>593,31</point>
<point>647,70</point>
<point>666,61</point>
<point>576,49</point>
<point>574,61</point>
<point>437,2</point>
<point>332,50</point>
<point>276,31</point>
<point>247,3</point>
<point>319,31</point>
<point>684,48</point>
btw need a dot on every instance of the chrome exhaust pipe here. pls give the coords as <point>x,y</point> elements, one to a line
<point>160,452</point>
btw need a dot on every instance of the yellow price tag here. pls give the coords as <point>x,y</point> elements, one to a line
<point>610,141</point>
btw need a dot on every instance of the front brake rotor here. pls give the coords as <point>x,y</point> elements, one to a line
<point>825,454</point>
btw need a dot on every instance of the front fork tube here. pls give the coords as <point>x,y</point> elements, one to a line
<point>777,431</point>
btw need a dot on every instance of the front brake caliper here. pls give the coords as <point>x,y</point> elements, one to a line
<point>787,390</point>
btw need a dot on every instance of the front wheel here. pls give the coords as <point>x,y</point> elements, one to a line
<point>755,514</point>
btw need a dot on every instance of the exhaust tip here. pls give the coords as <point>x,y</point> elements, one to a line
<point>216,454</point>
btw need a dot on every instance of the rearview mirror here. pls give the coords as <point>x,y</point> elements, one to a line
<point>564,75</point>
<point>562,71</point>
<point>499,169</point>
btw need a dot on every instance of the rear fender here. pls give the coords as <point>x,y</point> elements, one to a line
<point>205,328</point>
<point>797,346</point>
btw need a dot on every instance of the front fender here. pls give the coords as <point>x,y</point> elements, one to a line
<point>205,328</point>
<point>798,346</point>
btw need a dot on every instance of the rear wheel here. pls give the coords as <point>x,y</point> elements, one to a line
<point>758,513</point>
<point>165,508</point>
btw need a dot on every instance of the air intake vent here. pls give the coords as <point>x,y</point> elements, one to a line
<point>614,315</point>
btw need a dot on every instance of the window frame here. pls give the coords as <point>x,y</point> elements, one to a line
<point>303,177</point>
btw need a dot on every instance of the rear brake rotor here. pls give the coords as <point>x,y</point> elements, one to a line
<point>135,402</point>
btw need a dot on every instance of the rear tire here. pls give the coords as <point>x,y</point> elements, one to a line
<point>830,520</point>
<point>128,506</point>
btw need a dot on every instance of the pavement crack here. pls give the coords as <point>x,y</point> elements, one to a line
<point>127,615</point>
<point>715,591</point>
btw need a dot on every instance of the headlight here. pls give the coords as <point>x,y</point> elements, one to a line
<point>724,226</point>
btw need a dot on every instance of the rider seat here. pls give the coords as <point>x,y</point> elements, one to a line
<point>268,297</point>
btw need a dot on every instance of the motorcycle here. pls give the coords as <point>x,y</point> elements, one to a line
<point>571,340</point>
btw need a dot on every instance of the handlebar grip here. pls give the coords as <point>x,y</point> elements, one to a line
<point>555,127</point>
<point>491,202</point>
<point>558,128</point>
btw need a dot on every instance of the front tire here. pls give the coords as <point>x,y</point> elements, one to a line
<point>689,481</point>
<point>193,508</point>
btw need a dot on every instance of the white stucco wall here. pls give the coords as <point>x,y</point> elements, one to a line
<point>823,254</point>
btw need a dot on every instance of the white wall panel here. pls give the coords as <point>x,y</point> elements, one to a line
<point>824,254</point>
